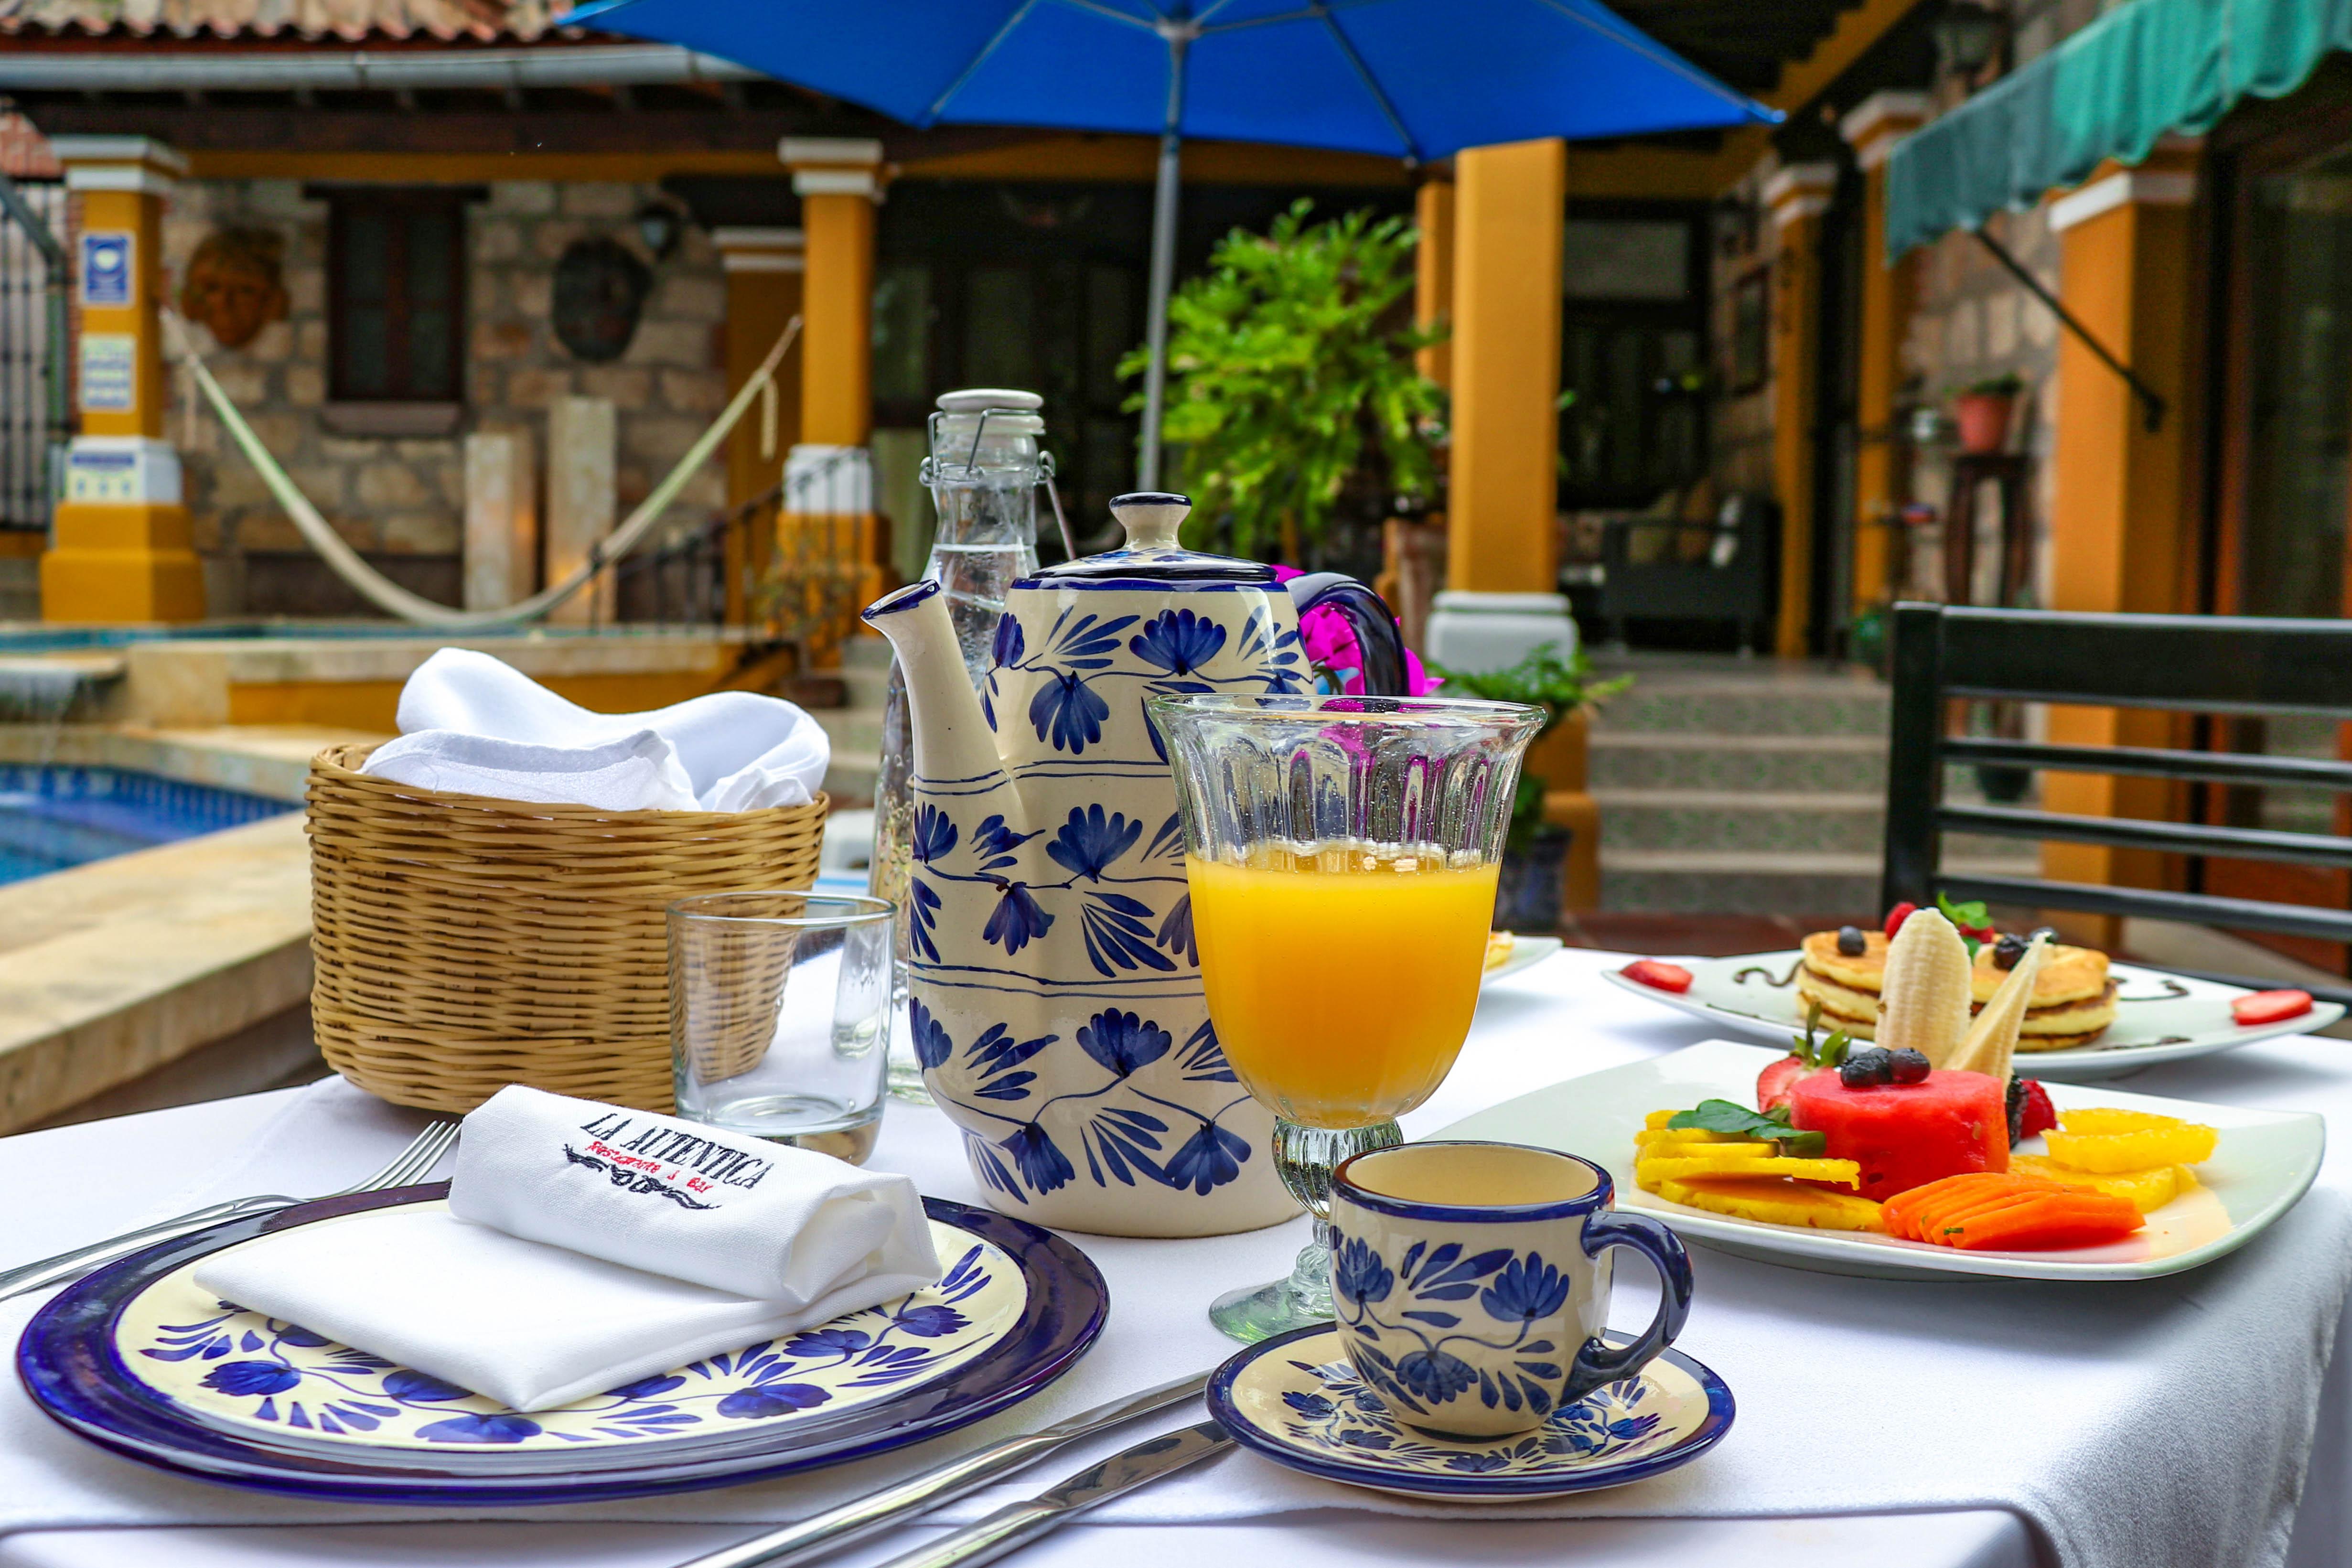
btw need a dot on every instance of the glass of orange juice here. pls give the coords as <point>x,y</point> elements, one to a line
<point>1342,853</point>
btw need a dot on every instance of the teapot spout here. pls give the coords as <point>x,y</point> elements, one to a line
<point>952,739</point>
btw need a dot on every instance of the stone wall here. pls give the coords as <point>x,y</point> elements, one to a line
<point>401,500</point>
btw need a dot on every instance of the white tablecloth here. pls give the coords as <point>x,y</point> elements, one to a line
<point>1983,1424</point>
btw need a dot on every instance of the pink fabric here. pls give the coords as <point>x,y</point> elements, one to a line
<point>1330,642</point>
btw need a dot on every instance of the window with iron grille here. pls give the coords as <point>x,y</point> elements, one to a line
<point>25,355</point>
<point>396,295</point>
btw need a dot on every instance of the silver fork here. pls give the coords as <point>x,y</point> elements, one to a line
<point>423,1151</point>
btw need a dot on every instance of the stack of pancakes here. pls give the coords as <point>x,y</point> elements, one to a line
<point>2073,1000</point>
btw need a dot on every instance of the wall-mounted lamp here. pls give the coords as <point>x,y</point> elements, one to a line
<point>1967,35</point>
<point>660,226</point>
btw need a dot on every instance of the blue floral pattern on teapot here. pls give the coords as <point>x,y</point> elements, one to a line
<point>1057,1010</point>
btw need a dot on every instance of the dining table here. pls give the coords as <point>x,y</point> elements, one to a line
<point>2194,1418</point>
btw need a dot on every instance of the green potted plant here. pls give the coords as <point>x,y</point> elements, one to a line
<point>1535,854</point>
<point>1983,410</point>
<point>1292,394</point>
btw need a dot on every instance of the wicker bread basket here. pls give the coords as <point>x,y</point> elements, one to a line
<point>461,943</point>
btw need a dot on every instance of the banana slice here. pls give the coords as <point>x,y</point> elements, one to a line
<point>1993,1040</point>
<point>1923,999</point>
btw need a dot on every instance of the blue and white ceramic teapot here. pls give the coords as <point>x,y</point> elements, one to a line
<point>1055,988</point>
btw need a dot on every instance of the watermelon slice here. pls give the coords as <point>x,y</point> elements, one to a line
<point>1905,1135</point>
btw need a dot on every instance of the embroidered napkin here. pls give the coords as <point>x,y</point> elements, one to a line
<point>729,751</point>
<point>585,1246</point>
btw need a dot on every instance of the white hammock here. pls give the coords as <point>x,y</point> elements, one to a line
<point>394,599</point>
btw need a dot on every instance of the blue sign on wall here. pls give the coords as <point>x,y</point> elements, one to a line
<point>106,268</point>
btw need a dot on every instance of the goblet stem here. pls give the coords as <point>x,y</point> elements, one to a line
<point>1304,1157</point>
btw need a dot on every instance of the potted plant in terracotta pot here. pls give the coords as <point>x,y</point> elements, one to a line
<point>1982,411</point>
<point>1534,852</point>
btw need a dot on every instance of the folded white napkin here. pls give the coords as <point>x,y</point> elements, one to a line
<point>465,714</point>
<point>585,1246</point>
<point>636,772</point>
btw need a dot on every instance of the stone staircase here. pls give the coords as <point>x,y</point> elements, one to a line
<point>1751,787</point>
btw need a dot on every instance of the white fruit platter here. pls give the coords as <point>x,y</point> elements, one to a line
<point>2263,1162</point>
<point>2159,1016</point>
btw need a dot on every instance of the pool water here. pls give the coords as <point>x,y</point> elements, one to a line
<point>54,815</point>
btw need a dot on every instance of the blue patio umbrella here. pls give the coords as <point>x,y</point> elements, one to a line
<point>1416,79</point>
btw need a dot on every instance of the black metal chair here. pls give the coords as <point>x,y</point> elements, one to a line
<point>2201,664</point>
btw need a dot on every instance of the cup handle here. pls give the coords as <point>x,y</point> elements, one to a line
<point>1368,617</point>
<point>1598,1363</point>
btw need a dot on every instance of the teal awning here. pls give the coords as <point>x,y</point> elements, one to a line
<point>2110,90</point>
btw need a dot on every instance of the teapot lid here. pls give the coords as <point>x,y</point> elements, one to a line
<point>1151,552</point>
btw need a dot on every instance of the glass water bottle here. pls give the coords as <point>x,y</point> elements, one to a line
<point>983,472</point>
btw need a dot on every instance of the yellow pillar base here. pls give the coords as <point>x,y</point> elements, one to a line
<point>113,563</point>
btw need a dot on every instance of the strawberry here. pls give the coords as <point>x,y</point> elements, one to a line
<point>1772,1083</point>
<point>2038,1115</point>
<point>2270,1006</point>
<point>1896,915</point>
<point>1658,975</point>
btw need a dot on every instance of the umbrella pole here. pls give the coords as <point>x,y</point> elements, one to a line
<point>1163,264</point>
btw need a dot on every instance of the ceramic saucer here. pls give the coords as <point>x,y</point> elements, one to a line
<point>1296,1400</point>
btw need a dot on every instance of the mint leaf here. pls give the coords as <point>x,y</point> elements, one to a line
<point>1731,1117</point>
<point>1968,914</point>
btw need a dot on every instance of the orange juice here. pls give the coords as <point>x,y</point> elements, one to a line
<point>1341,983</point>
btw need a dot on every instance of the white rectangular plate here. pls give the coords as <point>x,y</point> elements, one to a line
<point>2264,1162</point>
<point>2159,1017</point>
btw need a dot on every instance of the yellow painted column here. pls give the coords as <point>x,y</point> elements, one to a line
<point>1507,209</point>
<point>121,548</point>
<point>1797,197</point>
<point>1432,275</point>
<point>1887,292</point>
<point>1510,204</point>
<point>764,267</point>
<point>829,534</point>
<point>2122,525</point>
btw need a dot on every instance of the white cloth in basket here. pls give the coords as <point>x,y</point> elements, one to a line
<point>476,725</point>
<point>585,1246</point>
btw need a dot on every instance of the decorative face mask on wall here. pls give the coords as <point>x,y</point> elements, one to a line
<point>600,290</point>
<point>234,284</point>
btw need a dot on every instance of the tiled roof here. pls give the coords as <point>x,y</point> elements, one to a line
<point>324,21</point>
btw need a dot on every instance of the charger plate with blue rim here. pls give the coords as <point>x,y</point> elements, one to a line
<point>138,1359</point>
<point>1296,1399</point>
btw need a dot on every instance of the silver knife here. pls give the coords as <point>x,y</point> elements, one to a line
<point>1015,1525</point>
<point>861,1517</point>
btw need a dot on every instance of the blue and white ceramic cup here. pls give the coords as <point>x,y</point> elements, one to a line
<point>1471,1282</point>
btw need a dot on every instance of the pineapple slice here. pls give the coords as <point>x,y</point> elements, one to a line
<point>1675,1167</point>
<point>1666,1138</point>
<point>2146,1191</point>
<point>2110,1141</point>
<point>1775,1202</point>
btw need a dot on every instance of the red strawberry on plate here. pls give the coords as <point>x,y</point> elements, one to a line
<point>2270,1006</point>
<point>1658,975</point>
<point>1772,1083</point>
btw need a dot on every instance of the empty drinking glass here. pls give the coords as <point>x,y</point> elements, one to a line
<point>780,1016</point>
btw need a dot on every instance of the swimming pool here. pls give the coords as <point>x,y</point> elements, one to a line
<point>53,815</point>
<point>27,637</point>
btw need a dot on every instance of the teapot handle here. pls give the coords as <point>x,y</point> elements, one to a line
<point>1377,635</point>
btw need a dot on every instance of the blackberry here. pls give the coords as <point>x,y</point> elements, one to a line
<point>2007,952</point>
<point>2016,1109</point>
<point>1908,1066</point>
<point>1850,942</point>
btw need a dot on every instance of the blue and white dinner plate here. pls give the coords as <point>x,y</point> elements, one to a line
<point>138,1359</point>
<point>1296,1399</point>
